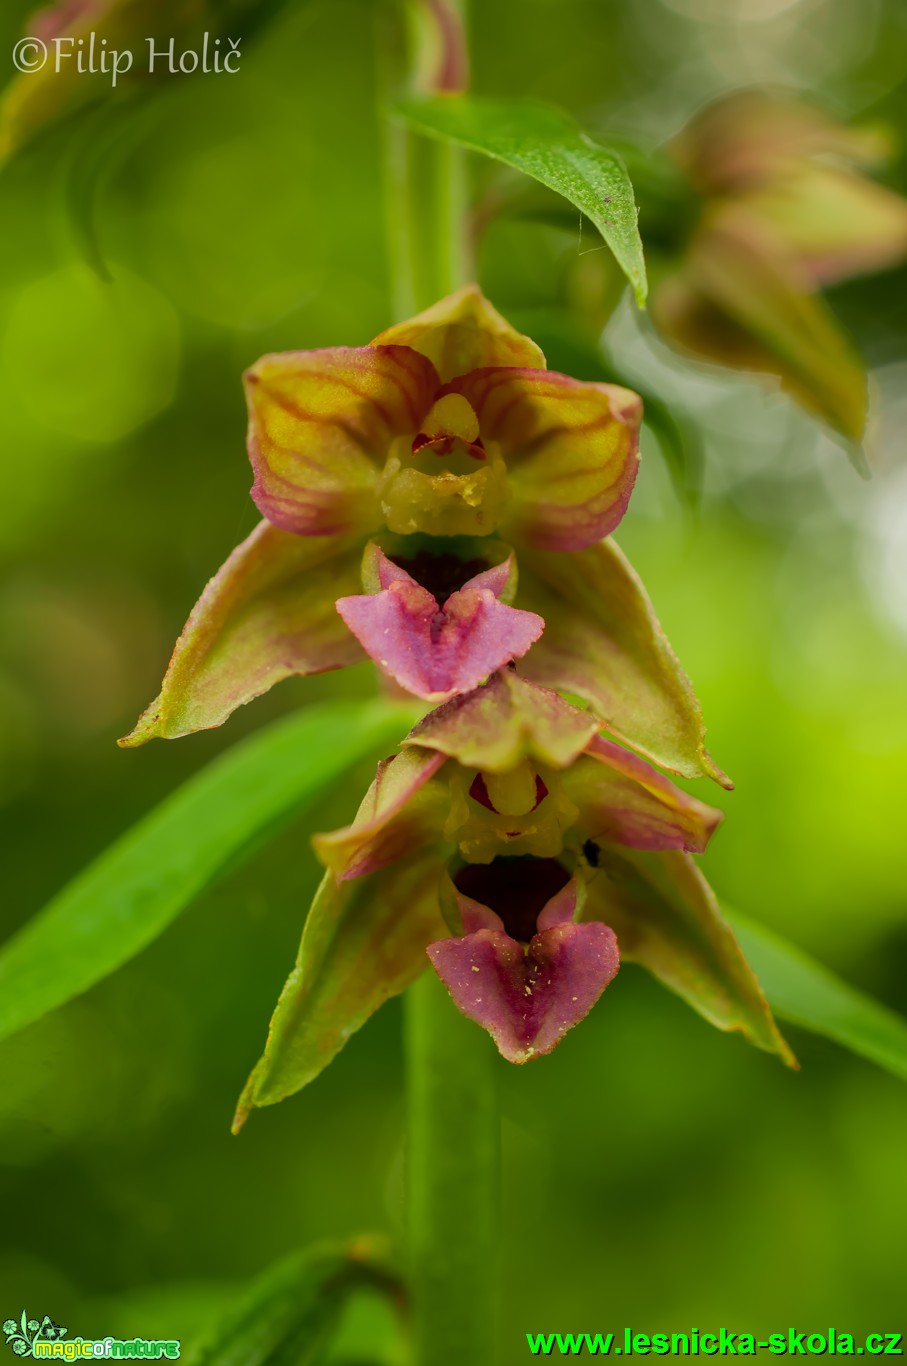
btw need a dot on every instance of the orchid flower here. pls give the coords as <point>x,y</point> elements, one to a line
<point>516,847</point>
<point>448,493</point>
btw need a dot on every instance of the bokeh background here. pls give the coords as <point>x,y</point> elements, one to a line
<point>657,1173</point>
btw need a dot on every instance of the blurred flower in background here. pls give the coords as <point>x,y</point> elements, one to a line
<point>40,95</point>
<point>785,210</point>
<point>46,92</point>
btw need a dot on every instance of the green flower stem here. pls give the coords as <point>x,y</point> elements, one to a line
<point>453,1181</point>
<point>453,1122</point>
<point>424,180</point>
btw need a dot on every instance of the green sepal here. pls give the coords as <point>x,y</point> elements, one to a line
<point>364,941</point>
<point>666,918</point>
<point>603,643</point>
<point>508,720</point>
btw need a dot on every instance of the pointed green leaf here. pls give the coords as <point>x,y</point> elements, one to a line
<point>544,143</point>
<point>136,887</point>
<point>807,994</point>
<point>288,1315</point>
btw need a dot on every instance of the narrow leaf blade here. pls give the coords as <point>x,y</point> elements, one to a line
<point>546,144</point>
<point>289,1313</point>
<point>133,890</point>
<point>807,994</point>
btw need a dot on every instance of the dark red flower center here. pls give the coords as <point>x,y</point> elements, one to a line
<point>442,574</point>
<point>516,889</point>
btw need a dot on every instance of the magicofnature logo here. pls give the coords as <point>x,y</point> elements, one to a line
<point>23,1335</point>
<point>29,1338</point>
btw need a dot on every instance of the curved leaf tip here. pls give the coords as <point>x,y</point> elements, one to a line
<point>545,143</point>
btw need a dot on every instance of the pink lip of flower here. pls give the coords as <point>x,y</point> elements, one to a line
<point>526,993</point>
<point>437,650</point>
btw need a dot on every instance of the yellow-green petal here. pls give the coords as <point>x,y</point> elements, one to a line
<point>402,811</point>
<point>321,426</point>
<point>571,450</point>
<point>461,333</point>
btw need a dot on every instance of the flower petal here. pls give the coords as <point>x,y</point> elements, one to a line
<point>571,449</point>
<point>463,332</point>
<point>267,613</point>
<point>321,424</point>
<point>401,812</point>
<point>752,137</point>
<point>437,652</point>
<point>743,299</point>
<point>666,918</point>
<point>528,998</point>
<point>604,643</point>
<point>364,941</point>
<point>837,224</point>
<point>508,720</point>
<point>623,800</point>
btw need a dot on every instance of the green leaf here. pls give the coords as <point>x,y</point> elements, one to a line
<point>807,994</point>
<point>288,1315</point>
<point>136,887</point>
<point>546,144</point>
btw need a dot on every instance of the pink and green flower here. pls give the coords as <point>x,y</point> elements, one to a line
<point>427,461</point>
<point>525,854</point>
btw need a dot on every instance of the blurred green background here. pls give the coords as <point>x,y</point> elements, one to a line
<point>657,1174</point>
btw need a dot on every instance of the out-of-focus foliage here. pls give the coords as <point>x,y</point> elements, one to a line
<point>679,1177</point>
<point>132,892</point>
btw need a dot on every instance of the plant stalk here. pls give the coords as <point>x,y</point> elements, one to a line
<point>425,192</point>
<point>453,1181</point>
<point>453,1121</point>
